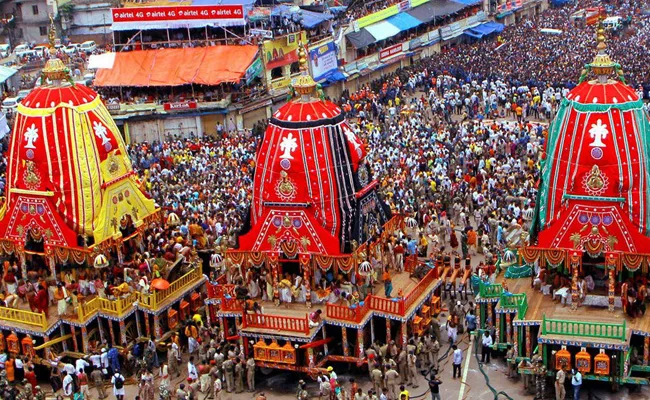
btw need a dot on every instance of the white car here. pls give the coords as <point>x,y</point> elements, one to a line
<point>41,50</point>
<point>72,48</point>
<point>88,46</point>
<point>5,49</point>
<point>23,50</point>
<point>9,104</point>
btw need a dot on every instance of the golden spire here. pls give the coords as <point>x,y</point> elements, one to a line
<point>52,35</point>
<point>602,65</point>
<point>303,84</point>
<point>55,69</point>
<point>302,58</point>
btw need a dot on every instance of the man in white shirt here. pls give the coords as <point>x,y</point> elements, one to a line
<point>486,341</point>
<point>191,369</point>
<point>576,382</point>
<point>69,369</point>
<point>457,359</point>
<point>96,360</point>
<point>81,363</point>
<point>217,388</point>
<point>68,388</point>
<point>105,363</point>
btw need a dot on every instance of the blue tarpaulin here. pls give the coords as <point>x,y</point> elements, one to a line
<point>308,19</point>
<point>311,19</point>
<point>488,27</point>
<point>334,77</point>
<point>467,2</point>
<point>338,9</point>
<point>475,35</point>
<point>484,29</point>
<point>404,21</point>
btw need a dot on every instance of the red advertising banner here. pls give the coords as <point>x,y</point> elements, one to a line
<point>186,105</point>
<point>150,14</point>
<point>389,52</point>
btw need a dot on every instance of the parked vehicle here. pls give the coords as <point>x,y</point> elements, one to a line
<point>613,23</point>
<point>41,50</point>
<point>5,50</point>
<point>88,46</point>
<point>72,48</point>
<point>23,50</point>
<point>9,104</point>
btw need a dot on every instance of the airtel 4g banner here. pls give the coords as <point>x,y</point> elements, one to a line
<point>150,14</point>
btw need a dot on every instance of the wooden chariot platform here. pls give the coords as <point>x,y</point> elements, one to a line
<point>537,324</point>
<point>92,308</point>
<point>290,321</point>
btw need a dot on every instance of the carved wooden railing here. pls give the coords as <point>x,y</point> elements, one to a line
<point>231,304</point>
<point>23,317</point>
<point>419,289</point>
<point>345,313</point>
<point>276,323</point>
<point>217,290</point>
<point>584,329</point>
<point>153,300</point>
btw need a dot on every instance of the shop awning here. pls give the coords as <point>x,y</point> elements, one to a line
<point>382,30</point>
<point>435,9</point>
<point>361,39</point>
<point>211,65</point>
<point>403,21</point>
<point>6,73</point>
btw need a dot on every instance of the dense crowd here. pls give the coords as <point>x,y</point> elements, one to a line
<point>185,177</point>
<point>528,56</point>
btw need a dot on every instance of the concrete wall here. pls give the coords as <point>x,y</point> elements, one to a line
<point>91,22</point>
<point>28,22</point>
<point>161,129</point>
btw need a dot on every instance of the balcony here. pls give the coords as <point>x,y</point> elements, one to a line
<point>86,310</point>
<point>177,289</point>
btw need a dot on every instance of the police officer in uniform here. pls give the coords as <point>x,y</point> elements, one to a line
<point>229,369</point>
<point>540,379</point>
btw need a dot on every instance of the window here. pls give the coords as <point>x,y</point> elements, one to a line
<point>276,73</point>
<point>35,9</point>
<point>43,30</point>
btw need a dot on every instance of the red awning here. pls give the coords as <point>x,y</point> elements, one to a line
<point>175,67</point>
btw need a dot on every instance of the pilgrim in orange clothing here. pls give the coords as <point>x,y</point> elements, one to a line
<point>10,370</point>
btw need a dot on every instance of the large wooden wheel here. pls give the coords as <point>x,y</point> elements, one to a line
<point>132,334</point>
